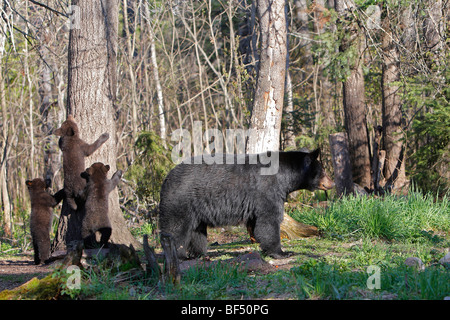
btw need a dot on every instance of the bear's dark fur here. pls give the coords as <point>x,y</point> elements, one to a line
<point>41,217</point>
<point>74,151</point>
<point>195,196</point>
<point>96,194</point>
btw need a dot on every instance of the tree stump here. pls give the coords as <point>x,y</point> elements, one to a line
<point>171,265</point>
<point>152,263</point>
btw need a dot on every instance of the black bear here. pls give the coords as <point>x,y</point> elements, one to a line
<point>96,194</point>
<point>197,196</point>
<point>42,204</point>
<point>74,151</point>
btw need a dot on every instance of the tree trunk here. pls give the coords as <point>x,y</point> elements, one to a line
<point>129,55</point>
<point>268,101</point>
<point>391,109</point>
<point>433,26</point>
<point>5,148</point>
<point>341,163</point>
<point>159,93</point>
<point>90,99</point>
<point>289,137</point>
<point>301,15</point>
<point>354,107</point>
<point>47,109</point>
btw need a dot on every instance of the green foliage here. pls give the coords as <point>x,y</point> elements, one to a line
<point>430,165</point>
<point>151,166</point>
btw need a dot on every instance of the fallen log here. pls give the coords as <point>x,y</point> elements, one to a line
<point>291,229</point>
<point>48,288</point>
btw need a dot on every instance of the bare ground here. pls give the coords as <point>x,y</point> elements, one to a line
<point>17,270</point>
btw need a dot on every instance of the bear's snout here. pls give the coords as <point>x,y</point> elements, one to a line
<point>325,183</point>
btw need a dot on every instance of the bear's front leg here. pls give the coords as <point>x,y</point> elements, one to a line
<point>89,149</point>
<point>267,233</point>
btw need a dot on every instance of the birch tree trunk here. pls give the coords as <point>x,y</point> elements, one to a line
<point>90,99</point>
<point>4,143</point>
<point>5,149</point>
<point>268,101</point>
<point>159,93</point>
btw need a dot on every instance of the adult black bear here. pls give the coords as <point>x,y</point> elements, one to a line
<point>195,196</point>
<point>41,217</point>
<point>74,151</point>
<point>96,194</point>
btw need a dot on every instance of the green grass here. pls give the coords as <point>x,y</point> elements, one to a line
<point>356,233</point>
<point>415,217</point>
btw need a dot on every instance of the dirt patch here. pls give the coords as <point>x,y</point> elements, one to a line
<point>15,271</point>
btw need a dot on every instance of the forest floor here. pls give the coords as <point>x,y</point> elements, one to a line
<point>18,269</point>
<point>361,253</point>
<point>319,268</point>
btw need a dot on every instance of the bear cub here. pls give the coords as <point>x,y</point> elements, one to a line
<point>74,151</point>
<point>42,204</point>
<point>96,194</point>
<point>197,196</point>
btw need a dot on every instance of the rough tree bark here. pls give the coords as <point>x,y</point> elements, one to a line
<point>268,101</point>
<point>354,104</point>
<point>341,163</point>
<point>90,99</point>
<point>391,109</point>
<point>433,26</point>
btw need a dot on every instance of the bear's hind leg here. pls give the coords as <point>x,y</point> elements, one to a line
<point>198,242</point>
<point>44,250</point>
<point>106,234</point>
<point>37,260</point>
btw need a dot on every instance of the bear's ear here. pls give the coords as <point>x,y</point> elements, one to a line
<point>29,183</point>
<point>84,175</point>
<point>107,167</point>
<point>315,154</point>
<point>70,117</point>
<point>48,183</point>
<point>58,132</point>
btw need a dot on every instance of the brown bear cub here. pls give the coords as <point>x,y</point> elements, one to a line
<point>96,194</point>
<point>74,151</point>
<point>42,204</point>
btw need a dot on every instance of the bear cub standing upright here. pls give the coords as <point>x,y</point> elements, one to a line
<point>74,151</point>
<point>96,194</point>
<point>197,196</point>
<point>42,204</point>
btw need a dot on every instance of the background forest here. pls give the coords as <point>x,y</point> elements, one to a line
<point>384,63</point>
